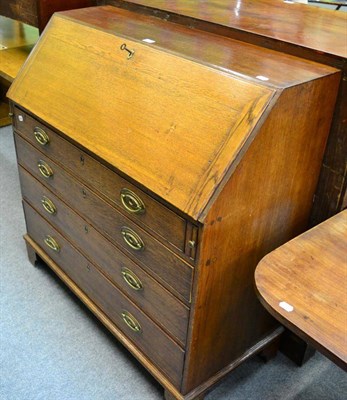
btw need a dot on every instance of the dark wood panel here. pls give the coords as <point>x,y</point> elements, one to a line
<point>46,8</point>
<point>332,186</point>
<point>172,271</point>
<point>35,253</point>
<point>221,52</point>
<point>297,24</point>
<point>266,202</point>
<point>38,12</point>
<point>166,354</point>
<point>157,302</point>
<point>23,10</point>
<point>159,219</point>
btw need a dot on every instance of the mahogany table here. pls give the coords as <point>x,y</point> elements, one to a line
<point>304,285</point>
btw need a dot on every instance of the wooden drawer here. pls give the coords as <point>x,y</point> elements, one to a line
<point>155,216</point>
<point>156,345</point>
<point>170,269</point>
<point>152,298</point>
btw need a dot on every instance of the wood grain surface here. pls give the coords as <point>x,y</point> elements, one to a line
<point>191,165</point>
<point>305,31</point>
<point>166,353</point>
<point>175,273</point>
<point>265,203</point>
<point>297,24</point>
<point>35,253</point>
<point>157,302</point>
<point>167,107</point>
<point>310,274</point>
<point>38,12</point>
<point>243,59</point>
<point>159,219</point>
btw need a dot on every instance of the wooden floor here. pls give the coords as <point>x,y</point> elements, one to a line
<point>16,41</point>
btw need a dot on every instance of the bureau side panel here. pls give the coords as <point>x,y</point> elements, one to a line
<point>266,202</point>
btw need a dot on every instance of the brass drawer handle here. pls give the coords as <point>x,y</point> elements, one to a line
<point>131,279</point>
<point>45,169</point>
<point>48,205</point>
<point>41,136</point>
<point>132,239</point>
<point>131,321</point>
<point>51,243</point>
<point>131,201</point>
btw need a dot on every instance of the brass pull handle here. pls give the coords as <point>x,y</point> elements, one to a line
<point>51,243</point>
<point>131,321</point>
<point>45,169</point>
<point>48,205</point>
<point>131,279</point>
<point>132,202</point>
<point>132,239</point>
<point>41,136</point>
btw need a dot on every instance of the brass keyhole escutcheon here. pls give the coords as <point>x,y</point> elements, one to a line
<point>48,205</point>
<point>131,321</point>
<point>41,136</point>
<point>131,279</point>
<point>132,239</point>
<point>45,169</point>
<point>132,202</point>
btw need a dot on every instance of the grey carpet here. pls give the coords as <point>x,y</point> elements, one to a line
<point>53,348</point>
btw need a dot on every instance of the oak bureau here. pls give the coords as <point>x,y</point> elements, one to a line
<point>158,165</point>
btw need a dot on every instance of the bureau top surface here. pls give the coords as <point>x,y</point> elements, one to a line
<point>309,27</point>
<point>173,120</point>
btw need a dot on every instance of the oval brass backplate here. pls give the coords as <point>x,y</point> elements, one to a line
<point>48,205</point>
<point>132,239</point>
<point>52,243</point>
<point>131,321</point>
<point>131,279</point>
<point>45,169</point>
<point>41,136</point>
<point>132,202</point>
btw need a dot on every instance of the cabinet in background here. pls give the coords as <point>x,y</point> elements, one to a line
<point>38,12</point>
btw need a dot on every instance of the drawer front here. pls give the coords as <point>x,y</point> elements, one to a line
<point>149,295</point>
<point>137,205</point>
<point>170,269</point>
<point>148,337</point>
